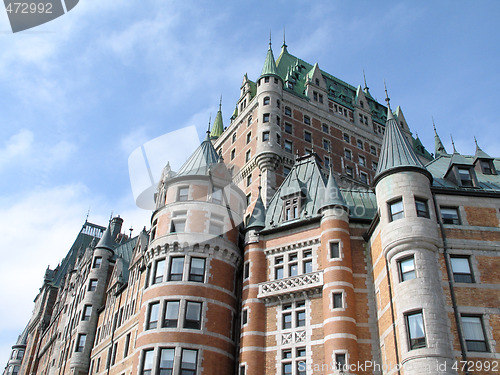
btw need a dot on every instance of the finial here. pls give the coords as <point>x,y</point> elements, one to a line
<point>270,39</point>
<point>364,78</point>
<point>312,145</point>
<point>433,124</point>
<point>416,133</point>
<point>387,96</point>
<point>88,213</point>
<point>131,230</point>
<point>220,102</point>
<point>475,141</point>
<point>209,121</point>
<point>260,185</point>
<point>284,39</point>
<point>453,143</point>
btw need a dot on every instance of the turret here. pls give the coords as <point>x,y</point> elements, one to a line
<point>409,241</point>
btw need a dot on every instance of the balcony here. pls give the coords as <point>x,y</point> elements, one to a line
<point>309,282</point>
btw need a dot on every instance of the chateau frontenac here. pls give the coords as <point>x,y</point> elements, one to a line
<point>314,234</point>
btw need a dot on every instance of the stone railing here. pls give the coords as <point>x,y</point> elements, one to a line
<point>291,285</point>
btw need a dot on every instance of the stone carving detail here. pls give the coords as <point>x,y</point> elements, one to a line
<point>291,284</point>
<point>293,337</point>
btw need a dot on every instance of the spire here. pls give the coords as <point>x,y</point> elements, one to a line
<point>438,145</point>
<point>283,46</point>
<point>218,127</point>
<point>258,217</point>
<point>397,154</point>
<point>332,197</point>
<point>201,159</point>
<point>480,154</point>
<point>269,64</point>
<point>457,158</point>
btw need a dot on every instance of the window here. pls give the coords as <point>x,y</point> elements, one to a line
<point>266,79</point>
<point>197,270</point>
<point>20,354</point>
<point>450,215</point>
<point>92,285</point>
<point>291,209</point>
<point>288,128</point>
<point>189,359</point>
<point>487,167</point>
<point>113,356</point>
<point>171,314</point>
<point>166,365</point>
<point>265,136</point>
<point>159,270</point>
<point>288,146</point>
<point>347,138</point>
<point>154,311</point>
<point>359,143</point>
<point>278,269</point>
<point>334,250</point>
<point>340,361</point>
<point>15,370</point>
<point>362,160</point>
<point>348,154</point>
<point>265,117</point>
<point>147,366</point>
<point>278,103</point>
<point>373,150</point>
<point>242,370</point>
<point>349,171</point>
<point>126,346</point>
<point>321,98</point>
<point>307,261</point>
<point>249,179</point>
<point>293,267</point>
<point>97,262</point>
<point>474,336</point>
<point>286,171</point>
<point>176,268</point>
<point>249,137</point>
<point>460,266</point>
<point>422,208</point>
<point>233,139</point>
<point>406,269</point>
<point>327,162</point>
<point>182,194</point>
<point>246,270</point>
<point>178,223</point>
<point>363,177</point>
<point>325,128</point>
<point>415,330</point>
<point>87,311</point>
<point>289,361</point>
<point>80,346</point>
<point>326,144</point>
<point>374,165</point>
<point>465,177</point>
<point>244,318</point>
<point>233,153</point>
<point>293,315</point>
<point>278,139</point>
<point>315,96</point>
<point>396,210</point>
<point>266,100</point>
<point>193,315</point>
<point>307,120</point>
<point>307,136</point>
<point>247,156</point>
<point>288,111</point>
<point>337,300</point>
<point>249,121</point>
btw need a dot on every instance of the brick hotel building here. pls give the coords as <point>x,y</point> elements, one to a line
<point>312,235</point>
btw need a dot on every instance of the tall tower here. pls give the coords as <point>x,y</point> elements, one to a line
<point>409,241</point>
<point>190,303</point>
<point>270,98</point>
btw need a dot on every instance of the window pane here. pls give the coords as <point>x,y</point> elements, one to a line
<point>396,210</point>
<point>473,329</point>
<point>171,314</point>
<point>308,266</point>
<point>450,216</point>
<point>422,210</point>
<point>287,321</point>
<point>160,268</point>
<point>278,273</point>
<point>460,265</point>
<point>407,269</point>
<point>176,268</point>
<point>293,270</point>
<point>166,361</point>
<point>197,271</point>
<point>337,300</point>
<point>287,369</point>
<point>193,315</point>
<point>148,362</point>
<point>334,250</point>
<point>188,362</point>
<point>416,330</point>
<point>153,316</point>
<point>301,318</point>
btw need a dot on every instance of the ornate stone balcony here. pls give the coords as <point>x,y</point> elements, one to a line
<point>307,283</point>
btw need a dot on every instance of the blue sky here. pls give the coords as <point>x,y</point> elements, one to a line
<point>79,94</point>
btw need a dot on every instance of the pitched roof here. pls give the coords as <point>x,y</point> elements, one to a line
<point>438,145</point>
<point>396,153</point>
<point>201,159</point>
<point>480,154</point>
<point>332,197</point>
<point>258,216</point>
<point>269,67</point>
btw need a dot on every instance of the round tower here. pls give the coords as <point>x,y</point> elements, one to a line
<point>190,306</point>
<point>339,315</point>
<point>270,98</point>
<point>410,241</point>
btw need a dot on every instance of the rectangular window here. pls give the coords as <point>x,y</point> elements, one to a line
<point>286,170</point>
<point>474,336</point>
<point>307,120</point>
<point>287,368</point>
<point>327,162</point>
<point>182,194</point>
<point>373,150</point>
<point>178,226</point>
<point>288,128</point>
<point>249,179</point>
<point>244,318</point>
<point>113,356</point>
<point>247,155</point>
<point>176,269</point>
<point>92,285</point>
<point>166,365</point>
<point>80,346</point>
<point>288,111</point>
<point>307,136</point>
<point>334,250</point>
<point>422,208</point>
<point>287,320</point>
<point>293,269</point>
<point>407,269</point>
<point>97,262</point>
<point>363,177</point>
<point>415,330</point>
<point>265,117</point>
<point>265,136</point>
<point>347,138</point>
<point>278,273</point>
<point>249,137</point>
<point>288,146</point>
<point>487,167</point>
<point>216,195</point>
<point>460,266</point>
<point>147,365</point>
<point>337,301</point>
<point>325,128</point>
<point>154,312</point>
<point>450,215</point>
<point>197,270</point>
<point>87,311</point>
<point>359,143</point>
<point>340,361</point>
<point>126,346</point>
<point>300,318</point>
<point>233,153</point>
<point>465,177</point>
<point>193,315</point>
<point>374,165</point>
<point>362,161</point>
<point>171,314</point>
<point>188,362</point>
<point>246,270</point>
<point>321,98</point>
<point>326,144</point>
<point>396,210</point>
<point>348,154</point>
<point>159,270</point>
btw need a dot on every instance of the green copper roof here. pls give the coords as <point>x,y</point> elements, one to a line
<point>332,197</point>
<point>419,149</point>
<point>480,154</point>
<point>106,242</point>
<point>438,145</point>
<point>258,218</point>
<point>396,152</point>
<point>269,64</point>
<point>200,161</point>
<point>218,127</point>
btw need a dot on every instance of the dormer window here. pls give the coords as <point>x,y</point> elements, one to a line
<point>487,167</point>
<point>291,209</point>
<point>465,177</point>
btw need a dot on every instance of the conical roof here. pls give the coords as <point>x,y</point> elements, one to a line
<point>258,218</point>
<point>269,64</point>
<point>480,154</point>
<point>332,197</point>
<point>201,159</point>
<point>218,126</point>
<point>438,145</point>
<point>106,242</point>
<point>397,153</point>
